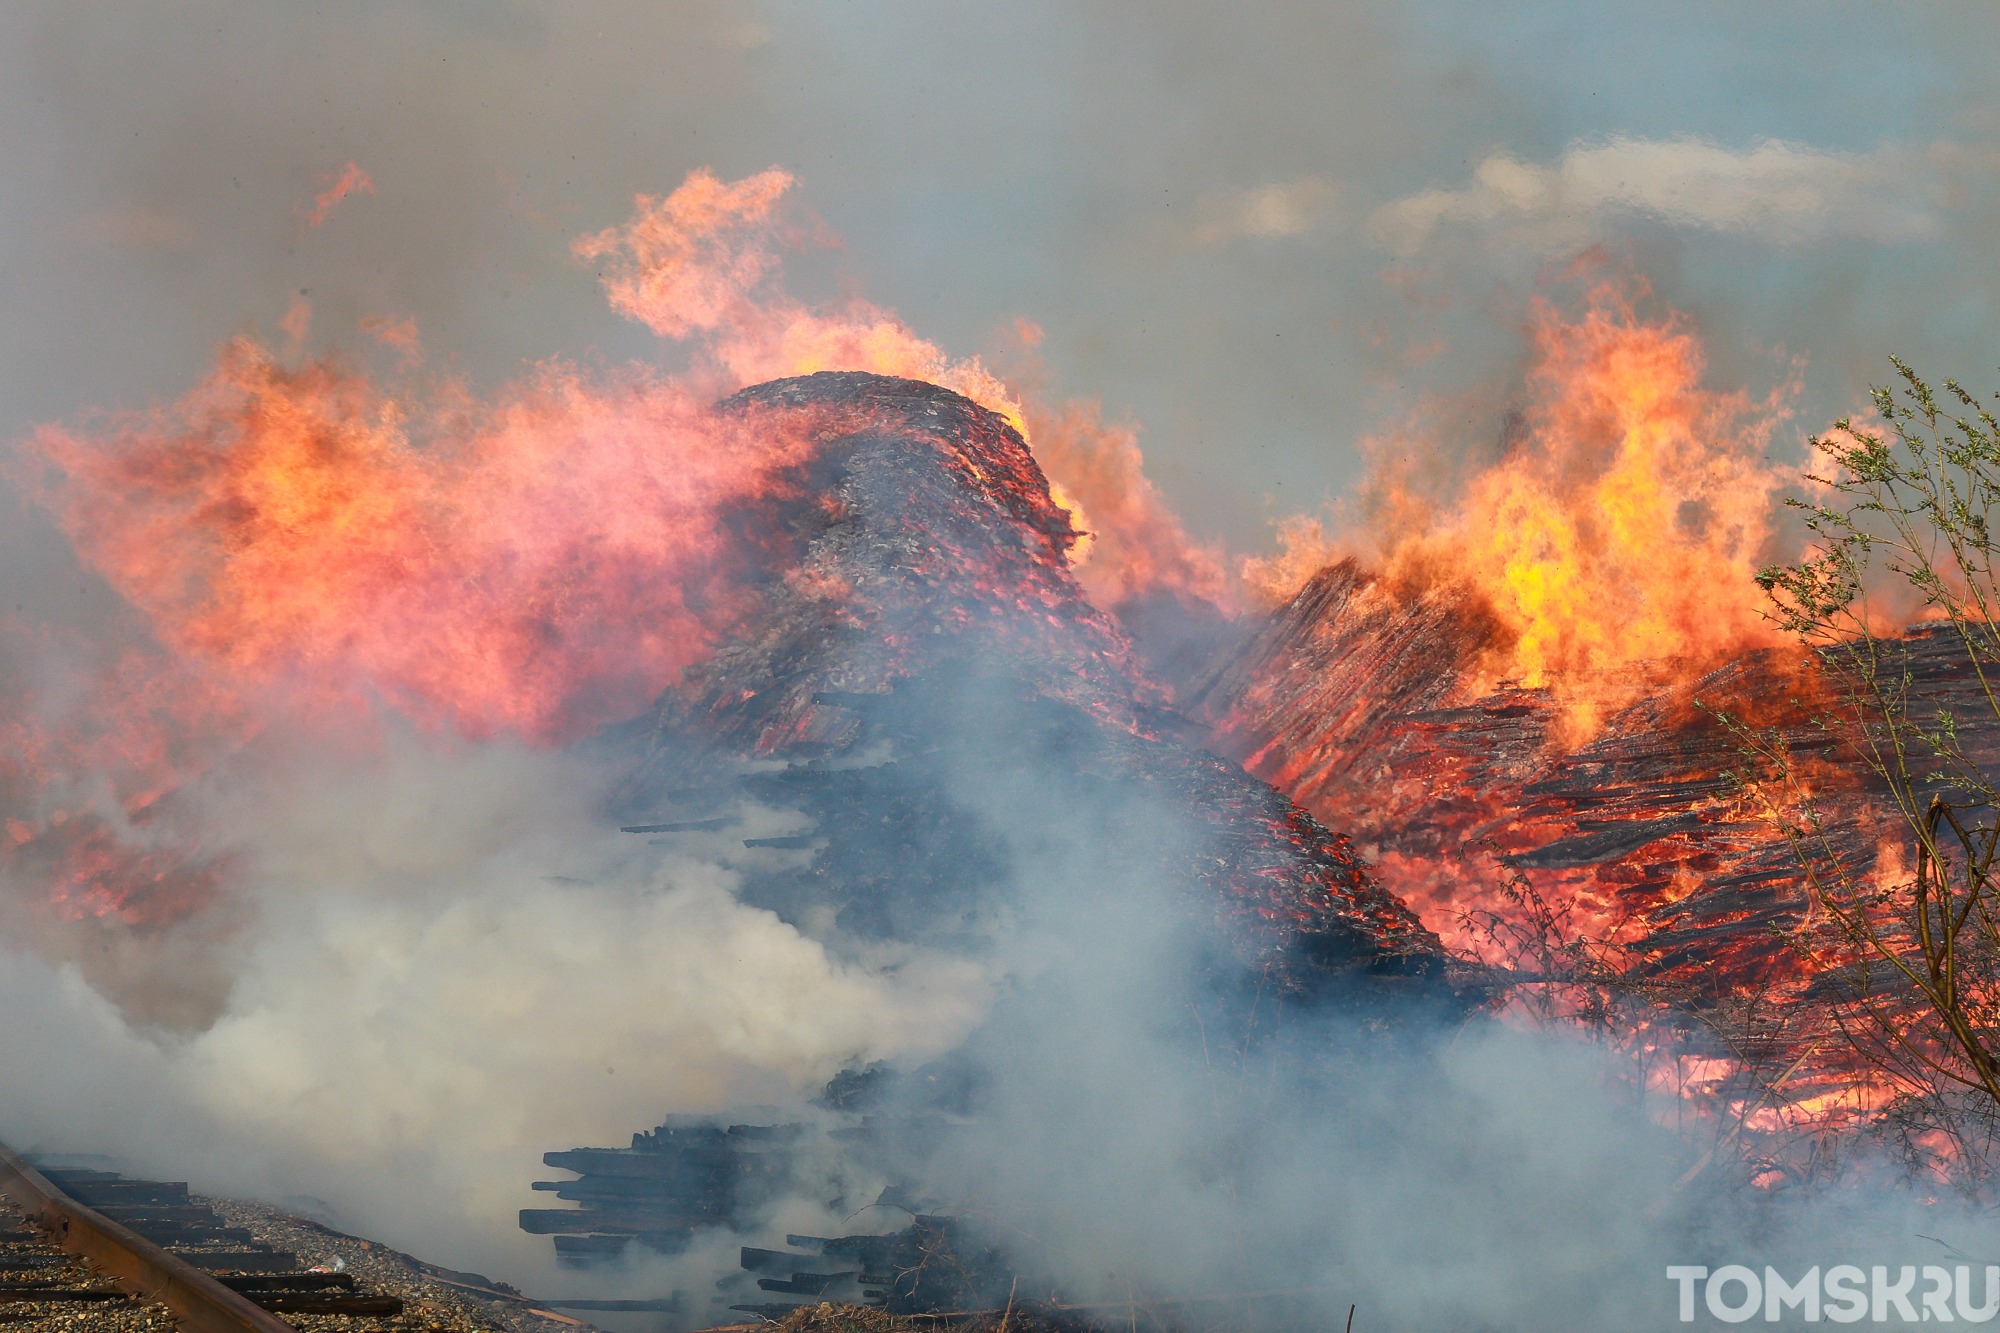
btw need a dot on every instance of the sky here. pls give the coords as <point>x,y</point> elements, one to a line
<point>1263,234</point>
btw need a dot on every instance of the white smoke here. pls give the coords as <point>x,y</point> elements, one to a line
<point>450,965</point>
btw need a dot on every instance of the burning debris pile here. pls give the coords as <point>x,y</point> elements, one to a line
<point>1562,723</point>
<point>918,686</point>
<point>1107,938</point>
<point>927,697</point>
<point>1652,843</point>
<point>923,639</point>
<point>1354,702</point>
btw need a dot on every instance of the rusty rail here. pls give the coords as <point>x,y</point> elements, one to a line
<point>134,1263</point>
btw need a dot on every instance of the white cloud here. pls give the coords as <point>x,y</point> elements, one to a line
<point>1287,208</point>
<point>1776,191</point>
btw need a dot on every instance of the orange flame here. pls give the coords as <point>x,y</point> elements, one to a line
<point>1304,549</point>
<point>1626,526</point>
<point>702,262</point>
<point>87,771</point>
<point>1134,544</point>
<point>306,544</point>
<point>541,566</point>
<point>697,264</point>
<point>351,180</point>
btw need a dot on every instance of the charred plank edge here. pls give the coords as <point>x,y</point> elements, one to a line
<point>136,1264</point>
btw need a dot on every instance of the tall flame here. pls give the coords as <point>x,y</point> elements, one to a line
<point>1135,545</point>
<point>1625,525</point>
<point>305,543</point>
<point>701,263</point>
<point>539,566</point>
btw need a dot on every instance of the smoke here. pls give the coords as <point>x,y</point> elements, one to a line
<point>447,963</point>
<point>1153,1127</point>
<point>384,972</point>
<point>1052,162</point>
<point>440,967</point>
<point>1136,1120</point>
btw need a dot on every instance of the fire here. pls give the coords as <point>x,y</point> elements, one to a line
<point>350,180</point>
<point>1135,545</point>
<point>313,545</point>
<point>1439,700</point>
<point>702,264</point>
<point>1620,535</point>
<point>88,770</point>
<point>538,566</point>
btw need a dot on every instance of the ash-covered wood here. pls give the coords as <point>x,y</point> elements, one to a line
<point>922,657</point>
<point>960,746</point>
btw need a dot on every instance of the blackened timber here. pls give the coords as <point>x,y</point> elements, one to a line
<point>241,1261</point>
<point>287,1281</point>
<point>582,1250</point>
<point>630,1220</point>
<point>628,1162</point>
<point>142,1215</point>
<point>187,1233</point>
<point>16,1292</point>
<point>802,1284</point>
<point>680,826</point>
<point>941,621</point>
<point>101,1194</point>
<point>707,1183</point>
<point>306,1302</point>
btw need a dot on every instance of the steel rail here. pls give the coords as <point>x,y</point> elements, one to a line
<point>131,1261</point>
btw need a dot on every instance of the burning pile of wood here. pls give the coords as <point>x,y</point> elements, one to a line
<point>1658,839</point>
<point>919,650</point>
<point>928,696</point>
<point>922,631</point>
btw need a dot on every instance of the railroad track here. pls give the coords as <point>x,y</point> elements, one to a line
<point>89,1250</point>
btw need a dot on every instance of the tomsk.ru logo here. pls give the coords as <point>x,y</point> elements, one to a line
<point>1843,1294</point>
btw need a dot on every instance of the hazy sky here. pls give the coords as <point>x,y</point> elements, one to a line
<point>1263,231</point>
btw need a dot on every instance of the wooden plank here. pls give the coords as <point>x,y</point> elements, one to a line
<point>242,1261</point>
<point>129,1259</point>
<point>313,1302</point>
<point>249,1282</point>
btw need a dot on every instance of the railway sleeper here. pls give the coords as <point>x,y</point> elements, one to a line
<point>239,1261</point>
<point>314,1302</point>
<point>249,1282</point>
<point>163,1214</point>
